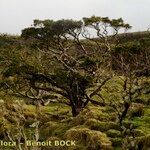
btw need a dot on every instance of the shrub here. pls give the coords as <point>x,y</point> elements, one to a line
<point>144,142</point>
<point>78,133</point>
<point>48,128</point>
<point>116,142</point>
<point>138,133</point>
<point>53,147</point>
<point>113,133</point>
<point>94,124</point>
<point>92,112</point>
<point>136,110</point>
<point>128,124</point>
<point>93,140</point>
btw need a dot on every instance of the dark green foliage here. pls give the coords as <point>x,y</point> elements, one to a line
<point>128,48</point>
<point>88,64</point>
<point>126,55</point>
<point>116,23</point>
<point>15,68</point>
<point>8,40</point>
<point>50,29</point>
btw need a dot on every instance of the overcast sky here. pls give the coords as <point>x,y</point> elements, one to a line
<point>18,14</point>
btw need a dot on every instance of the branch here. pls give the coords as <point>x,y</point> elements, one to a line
<point>57,101</point>
<point>94,102</point>
<point>99,88</point>
<point>53,90</point>
<point>77,40</point>
<point>48,79</point>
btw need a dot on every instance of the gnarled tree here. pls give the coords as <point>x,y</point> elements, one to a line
<point>69,57</point>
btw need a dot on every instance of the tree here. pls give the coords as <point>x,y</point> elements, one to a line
<point>130,66</point>
<point>68,67</point>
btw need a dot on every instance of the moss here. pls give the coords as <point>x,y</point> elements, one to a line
<point>145,98</point>
<point>147,111</point>
<point>116,142</point>
<point>128,123</point>
<point>90,113</point>
<point>44,118</point>
<point>52,138</point>
<point>136,110</point>
<point>143,123</point>
<point>28,122</point>
<point>11,119</point>
<point>67,120</point>
<point>94,124</point>
<point>146,130</point>
<point>78,133</point>
<point>48,128</point>
<point>117,148</point>
<point>79,120</point>
<point>113,133</point>
<point>56,111</point>
<point>96,139</point>
<point>61,129</point>
<point>30,108</point>
<point>53,147</point>
<point>52,128</point>
<point>29,114</point>
<point>77,147</point>
<point>138,133</point>
<point>30,133</point>
<point>144,141</point>
<point>140,100</point>
<point>91,139</point>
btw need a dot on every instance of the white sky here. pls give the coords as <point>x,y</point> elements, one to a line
<point>15,15</point>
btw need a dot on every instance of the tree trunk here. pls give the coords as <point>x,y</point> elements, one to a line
<point>76,110</point>
<point>124,113</point>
